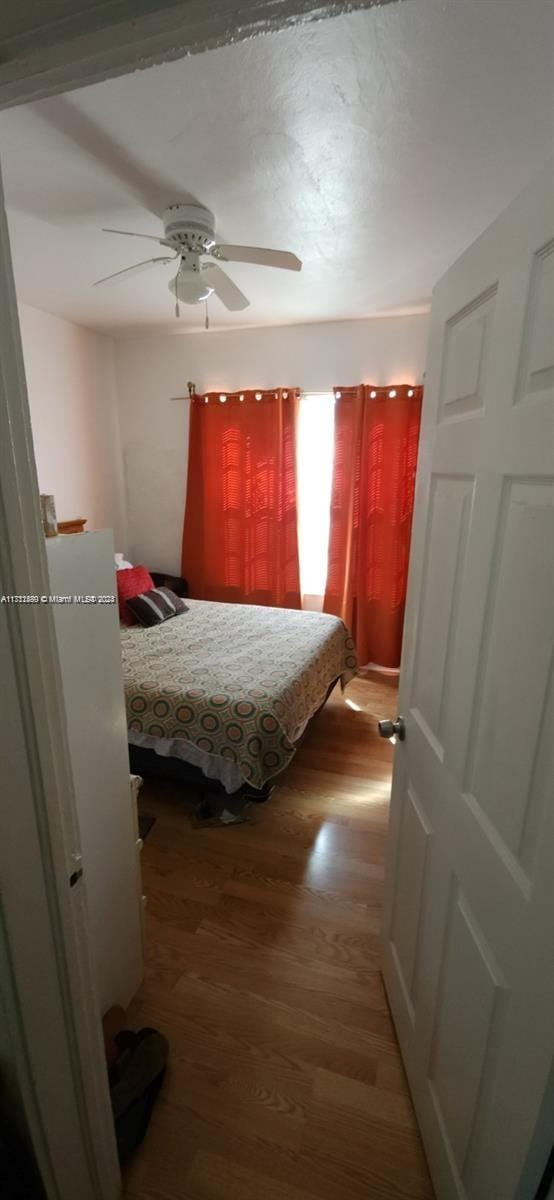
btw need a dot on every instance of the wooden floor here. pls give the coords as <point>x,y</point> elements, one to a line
<point>285,1080</point>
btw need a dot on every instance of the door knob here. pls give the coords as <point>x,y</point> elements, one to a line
<point>397,728</point>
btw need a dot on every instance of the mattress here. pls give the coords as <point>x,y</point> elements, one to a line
<point>230,688</point>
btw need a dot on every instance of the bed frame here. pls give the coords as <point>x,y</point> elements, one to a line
<point>147,762</point>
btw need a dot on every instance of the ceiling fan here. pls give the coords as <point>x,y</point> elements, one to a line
<point>189,232</point>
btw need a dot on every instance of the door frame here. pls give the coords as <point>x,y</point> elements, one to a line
<point>45,967</point>
<point>86,47</point>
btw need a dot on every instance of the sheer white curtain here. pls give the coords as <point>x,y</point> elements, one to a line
<point>314,472</point>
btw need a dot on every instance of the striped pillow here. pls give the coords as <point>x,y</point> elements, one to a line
<point>156,605</point>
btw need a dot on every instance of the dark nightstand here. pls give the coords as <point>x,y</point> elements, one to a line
<point>175,582</point>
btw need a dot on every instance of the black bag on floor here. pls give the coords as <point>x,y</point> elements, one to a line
<point>135,1080</point>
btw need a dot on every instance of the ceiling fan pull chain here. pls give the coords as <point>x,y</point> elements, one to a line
<point>177,310</point>
<point>207,318</point>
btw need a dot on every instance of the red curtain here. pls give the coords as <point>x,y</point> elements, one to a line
<point>376,441</point>
<point>240,539</point>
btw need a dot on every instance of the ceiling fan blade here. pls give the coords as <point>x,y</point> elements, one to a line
<point>141,266</point>
<point>224,288</point>
<point>128,233</point>
<point>259,255</point>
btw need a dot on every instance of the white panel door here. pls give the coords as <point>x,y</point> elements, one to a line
<point>468,950</point>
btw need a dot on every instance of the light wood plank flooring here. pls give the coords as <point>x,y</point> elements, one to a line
<point>285,1080</point>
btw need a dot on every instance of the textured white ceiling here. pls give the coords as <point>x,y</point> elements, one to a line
<point>376,145</point>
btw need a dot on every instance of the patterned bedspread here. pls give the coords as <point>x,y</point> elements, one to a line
<point>237,682</point>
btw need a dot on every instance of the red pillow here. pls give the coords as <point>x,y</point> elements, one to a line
<point>131,582</point>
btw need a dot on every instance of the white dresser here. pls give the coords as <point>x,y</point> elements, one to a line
<point>89,647</point>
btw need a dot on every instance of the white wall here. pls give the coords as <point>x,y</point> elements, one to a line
<point>154,430</point>
<point>71,385</point>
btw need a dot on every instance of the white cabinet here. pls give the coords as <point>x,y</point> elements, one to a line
<point>90,657</point>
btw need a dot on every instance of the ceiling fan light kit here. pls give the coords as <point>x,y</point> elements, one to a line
<point>189,287</point>
<point>189,231</point>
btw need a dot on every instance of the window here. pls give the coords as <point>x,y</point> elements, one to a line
<point>314,469</point>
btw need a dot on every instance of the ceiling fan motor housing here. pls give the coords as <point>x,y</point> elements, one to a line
<point>189,227</point>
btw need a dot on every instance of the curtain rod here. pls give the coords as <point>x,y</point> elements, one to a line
<point>317,391</point>
<point>320,392</point>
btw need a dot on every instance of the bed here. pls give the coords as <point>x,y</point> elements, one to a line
<point>229,689</point>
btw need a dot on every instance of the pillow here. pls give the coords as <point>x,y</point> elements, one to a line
<point>130,582</point>
<point>156,605</point>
